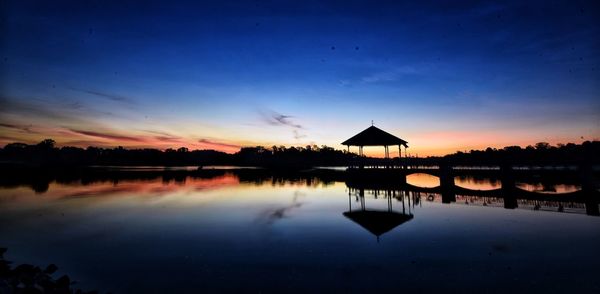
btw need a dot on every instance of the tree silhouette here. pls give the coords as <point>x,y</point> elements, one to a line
<point>46,153</point>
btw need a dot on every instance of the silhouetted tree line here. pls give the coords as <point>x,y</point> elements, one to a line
<point>46,153</point>
<point>293,156</point>
<point>540,154</point>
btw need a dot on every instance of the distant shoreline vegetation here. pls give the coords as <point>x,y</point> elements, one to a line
<point>46,153</point>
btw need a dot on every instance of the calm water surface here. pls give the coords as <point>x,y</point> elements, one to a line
<point>220,234</point>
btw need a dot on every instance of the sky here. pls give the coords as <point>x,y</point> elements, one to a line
<point>445,76</point>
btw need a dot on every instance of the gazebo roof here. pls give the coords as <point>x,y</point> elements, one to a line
<point>377,222</point>
<point>374,136</point>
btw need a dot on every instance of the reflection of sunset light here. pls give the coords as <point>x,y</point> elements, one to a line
<point>104,189</point>
<point>540,188</point>
<point>477,184</point>
<point>157,189</point>
<point>423,180</point>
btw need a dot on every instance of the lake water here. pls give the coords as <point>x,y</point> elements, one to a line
<point>223,234</point>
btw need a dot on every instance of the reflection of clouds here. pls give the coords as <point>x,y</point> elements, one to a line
<point>99,191</point>
<point>280,213</point>
<point>270,216</point>
<point>146,188</point>
<point>500,247</point>
<point>298,194</point>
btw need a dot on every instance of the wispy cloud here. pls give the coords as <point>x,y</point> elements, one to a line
<point>29,109</point>
<point>344,83</point>
<point>160,133</point>
<point>165,137</point>
<point>218,144</point>
<point>391,74</point>
<point>109,96</point>
<point>107,136</point>
<point>274,118</point>
<point>298,135</point>
<point>53,112</point>
<point>277,119</point>
<point>24,128</point>
<point>86,143</point>
<point>9,138</point>
<point>170,139</point>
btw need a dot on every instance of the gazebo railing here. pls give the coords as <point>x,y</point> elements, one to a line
<point>378,163</point>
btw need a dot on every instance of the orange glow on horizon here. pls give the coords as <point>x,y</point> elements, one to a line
<point>420,144</point>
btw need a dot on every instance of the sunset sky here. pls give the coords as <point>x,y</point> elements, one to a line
<point>444,76</point>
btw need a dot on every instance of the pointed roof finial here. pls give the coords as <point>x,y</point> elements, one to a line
<point>372,124</point>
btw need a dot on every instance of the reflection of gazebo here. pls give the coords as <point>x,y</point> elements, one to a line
<point>377,222</point>
<point>374,136</point>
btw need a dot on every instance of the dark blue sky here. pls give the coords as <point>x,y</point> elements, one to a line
<point>445,76</point>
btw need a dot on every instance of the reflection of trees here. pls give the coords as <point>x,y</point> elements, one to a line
<point>39,179</point>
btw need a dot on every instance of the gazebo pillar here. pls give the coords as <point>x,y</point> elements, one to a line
<point>399,155</point>
<point>406,157</point>
<point>386,156</point>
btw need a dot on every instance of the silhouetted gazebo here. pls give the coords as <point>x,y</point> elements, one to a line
<point>374,136</point>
